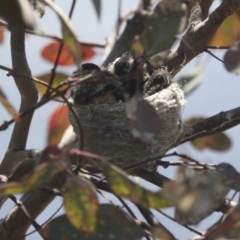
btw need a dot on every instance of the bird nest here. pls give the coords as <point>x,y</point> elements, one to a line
<point>107,130</point>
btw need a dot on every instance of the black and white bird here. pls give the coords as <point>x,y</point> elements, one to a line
<point>100,105</point>
<point>102,88</point>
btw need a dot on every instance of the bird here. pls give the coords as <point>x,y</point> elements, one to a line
<point>102,88</point>
<point>122,65</point>
<point>158,80</point>
<point>100,105</point>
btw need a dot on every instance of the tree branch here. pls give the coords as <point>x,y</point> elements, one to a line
<point>29,96</point>
<point>199,33</point>
<point>217,123</point>
<point>135,27</point>
<point>15,224</point>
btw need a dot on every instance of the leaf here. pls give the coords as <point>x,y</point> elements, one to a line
<point>8,106</point>
<point>40,176</point>
<point>167,20</point>
<point>59,77</point>
<point>227,33</point>
<point>18,14</point>
<point>113,223</point>
<point>68,33</point>
<point>81,203</point>
<point>144,118</point>
<point>57,125</point>
<point>232,58</point>
<point>49,53</point>
<point>191,80</point>
<point>124,187</point>
<point>161,232</point>
<point>195,194</point>
<point>97,7</point>
<point>2,28</point>
<point>217,141</point>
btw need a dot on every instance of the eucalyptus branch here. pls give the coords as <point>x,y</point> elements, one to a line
<point>198,35</point>
<point>86,42</point>
<point>15,224</point>
<point>135,27</point>
<point>217,123</point>
<point>174,220</point>
<point>29,96</point>
<point>24,210</point>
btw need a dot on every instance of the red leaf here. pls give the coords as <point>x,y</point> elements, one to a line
<point>58,124</point>
<point>49,52</point>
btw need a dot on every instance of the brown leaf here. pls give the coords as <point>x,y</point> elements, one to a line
<point>217,142</point>
<point>2,28</point>
<point>227,33</point>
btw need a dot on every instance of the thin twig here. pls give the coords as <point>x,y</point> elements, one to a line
<point>210,53</point>
<point>38,227</point>
<point>218,47</point>
<point>58,55</point>
<point>43,224</point>
<point>174,220</point>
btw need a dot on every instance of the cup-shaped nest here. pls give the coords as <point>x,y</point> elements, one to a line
<point>107,130</point>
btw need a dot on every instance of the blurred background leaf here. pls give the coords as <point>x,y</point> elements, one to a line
<point>217,142</point>
<point>113,223</point>
<point>57,125</point>
<point>81,203</point>
<point>49,53</point>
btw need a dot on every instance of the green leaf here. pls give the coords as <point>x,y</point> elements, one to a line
<point>166,21</point>
<point>191,80</point>
<point>40,176</point>
<point>124,187</point>
<point>97,7</point>
<point>113,223</point>
<point>81,203</point>
<point>68,32</point>
<point>18,14</point>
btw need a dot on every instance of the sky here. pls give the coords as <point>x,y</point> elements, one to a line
<point>218,92</point>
